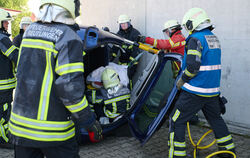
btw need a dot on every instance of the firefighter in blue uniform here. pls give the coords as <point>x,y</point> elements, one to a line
<point>50,86</point>
<point>8,58</point>
<point>199,84</point>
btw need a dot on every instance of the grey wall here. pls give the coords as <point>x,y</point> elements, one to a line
<point>232,22</point>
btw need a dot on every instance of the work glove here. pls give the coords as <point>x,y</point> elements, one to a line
<point>141,39</point>
<point>95,132</point>
<point>179,83</point>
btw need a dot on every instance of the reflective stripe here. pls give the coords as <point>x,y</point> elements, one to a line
<point>201,90</point>
<point>188,73</point>
<point>171,42</point>
<point>183,42</point>
<point>176,115</point>
<point>10,86</point>
<point>69,68</point>
<point>194,52</point>
<point>155,43</point>
<point>228,147</point>
<point>2,130</point>
<point>224,139</point>
<point>114,55</point>
<point>39,44</point>
<point>177,44</point>
<point>210,68</point>
<point>131,58</point>
<point>46,89</point>
<point>8,81</point>
<point>41,135</point>
<point>10,50</point>
<point>112,114</point>
<point>171,142</point>
<point>93,96</point>
<point>180,144</point>
<point>5,106</point>
<point>117,99</point>
<point>39,124</point>
<point>83,53</point>
<point>79,106</point>
<point>180,153</point>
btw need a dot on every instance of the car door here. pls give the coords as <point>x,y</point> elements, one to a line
<point>154,102</point>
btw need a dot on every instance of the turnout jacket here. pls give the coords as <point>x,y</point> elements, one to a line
<point>8,58</point>
<point>202,64</point>
<point>113,105</point>
<point>50,87</point>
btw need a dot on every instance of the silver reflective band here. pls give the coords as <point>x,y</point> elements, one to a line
<point>49,125</point>
<point>8,81</point>
<point>201,90</point>
<point>210,68</point>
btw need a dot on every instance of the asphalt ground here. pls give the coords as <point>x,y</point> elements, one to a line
<point>129,147</point>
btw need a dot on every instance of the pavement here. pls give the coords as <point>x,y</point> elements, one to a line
<point>129,147</point>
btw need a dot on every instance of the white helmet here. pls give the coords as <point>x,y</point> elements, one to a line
<point>193,18</point>
<point>171,24</point>
<point>123,19</point>
<point>25,21</point>
<point>110,78</point>
<point>4,16</point>
<point>73,6</point>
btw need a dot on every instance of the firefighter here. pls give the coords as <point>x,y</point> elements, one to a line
<point>199,84</point>
<point>113,99</point>
<point>8,57</point>
<point>175,43</point>
<point>50,86</point>
<point>126,55</point>
<point>25,22</point>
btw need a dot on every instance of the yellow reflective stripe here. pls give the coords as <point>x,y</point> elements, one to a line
<point>83,53</point>
<point>228,147</point>
<point>171,143</point>
<point>41,135</point>
<point>114,55</point>
<point>183,42</point>
<point>176,115</point>
<point>208,95</point>
<point>10,50</point>
<point>180,153</point>
<point>8,81</point>
<point>40,124</point>
<point>2,130</point>
<point>171,43</point>
<point>131,58</point>
<point>177,44</point>
<point>70,68</point>
<point>148,112</point>
<point>79,106</point>
<point>189,74</point>
<point>117,99</point>
<point>180,144</point>
<point>9,86</point>
<point>224,139</point>
<point>194,52</point>
<point>46,89</point>
<point>155,43</point>
<point>40,44</point>
<point>5,106</point>
<point>109,113</point>
<point>130,47</point>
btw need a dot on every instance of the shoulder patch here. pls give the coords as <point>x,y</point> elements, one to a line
<point>213,42</point>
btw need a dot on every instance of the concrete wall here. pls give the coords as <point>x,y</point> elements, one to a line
<point>232,22</point>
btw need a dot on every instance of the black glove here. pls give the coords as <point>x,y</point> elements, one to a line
<point>95,132</point>
<point>141,39</point>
